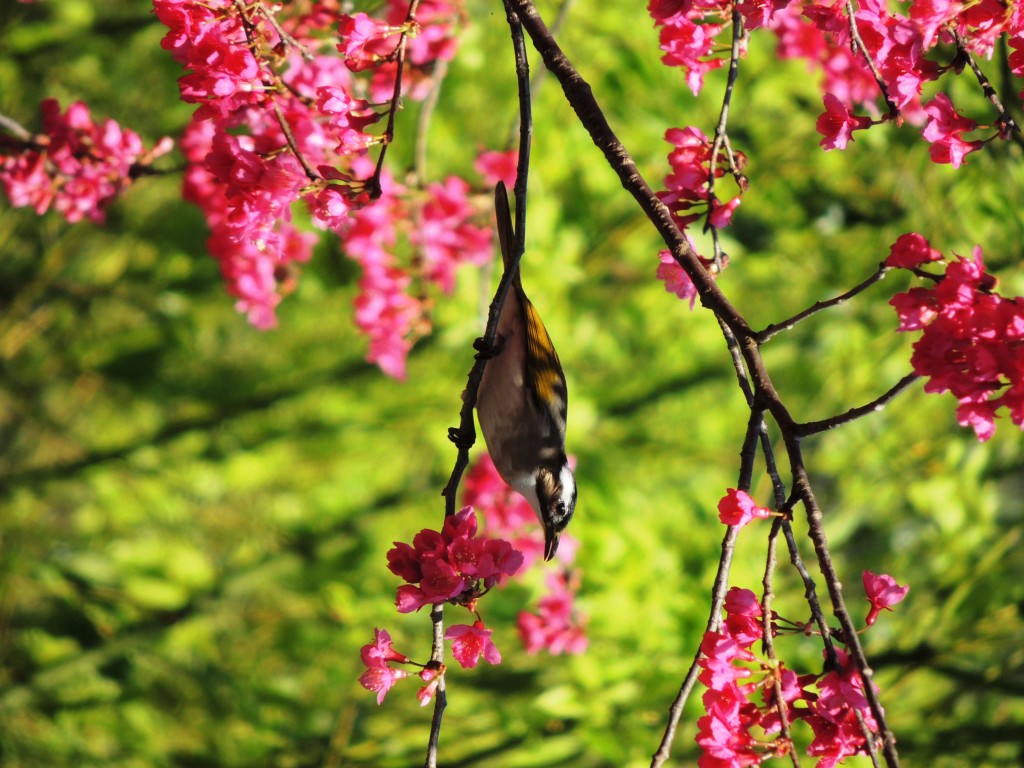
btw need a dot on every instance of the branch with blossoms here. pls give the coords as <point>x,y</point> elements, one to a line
<point>456,567</point>
<point>855,724</point>
<point>290,100</point>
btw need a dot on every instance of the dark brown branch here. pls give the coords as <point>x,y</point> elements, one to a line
<point>785,325</point>
<point>718,592</point>
<point>721,586</point>
<point>814,427</point>
<point>768,641</point>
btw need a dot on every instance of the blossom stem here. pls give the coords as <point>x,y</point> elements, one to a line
<point>721,136</point>
<point>718,592</point>
<point>1006,123</point>
<point>857,44</point>
<point>396,96</point>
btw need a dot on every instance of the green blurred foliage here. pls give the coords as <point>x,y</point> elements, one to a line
<point>195,514</point>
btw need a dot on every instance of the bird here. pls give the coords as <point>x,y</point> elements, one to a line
<point>522,402</point>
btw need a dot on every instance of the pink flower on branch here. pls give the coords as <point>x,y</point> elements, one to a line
<point>945,128</point>
<point>74,164</point>
<point>883,592</point>
<point>911,251</point>
<point>971,341</point>
<point>737,508</point>
<point>380,676</point>
<point>453,565</point>
<point>837,125</point>
<point>469,643</point>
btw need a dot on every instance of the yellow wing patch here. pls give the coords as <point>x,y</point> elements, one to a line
<point>542,360</point>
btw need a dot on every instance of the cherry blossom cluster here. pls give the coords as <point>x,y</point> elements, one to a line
<point>470,643</point>
<point>285,108</point>
<point>689,195</point>
<point>75,165</point>
<point>748,701</point>
<point>461,563</point>
<point>893,55</point>
<point>380,676</point>
<point>451,565</point>
<point>689,31</point>
<point>878,54</point>
<point>972,338</point>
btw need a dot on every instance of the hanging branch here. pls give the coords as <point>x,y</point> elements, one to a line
<point>858,48</point>
<point>464,436</point>
<point>373,183</point>
<point>1004,121</point>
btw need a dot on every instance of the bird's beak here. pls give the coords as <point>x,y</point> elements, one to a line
<point>550,541</point>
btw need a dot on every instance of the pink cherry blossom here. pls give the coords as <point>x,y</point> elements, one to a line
<point>737,508</point>
<point>883,592</point>
<point>379,675</point>
<point>911,251</point>
<point>837,125</point>
<point>556,626</point>
<point>469,643</point>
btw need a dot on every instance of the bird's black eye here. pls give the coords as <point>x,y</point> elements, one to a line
<point>560,508</point>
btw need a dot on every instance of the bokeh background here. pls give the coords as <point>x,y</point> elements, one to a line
<point>194,514</point>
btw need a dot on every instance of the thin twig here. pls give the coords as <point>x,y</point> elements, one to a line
<point>525,127</point>
<point>718,592</point>
<point>785,325</point>
<point>1005,122</point>
<point>768,641</point>
<point>721,586</point>
<point>810,593</point>
<point>721,135</point>
<point>423,124</point>
<point>15,128</point>
<point>535,82</point>
<point>373,183</point>
<point>289,137</point>
<point>814,427</point>
<point>858,47</point>
<point>464,436</point>
<point>441,696</point>
<point>271,17</point>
